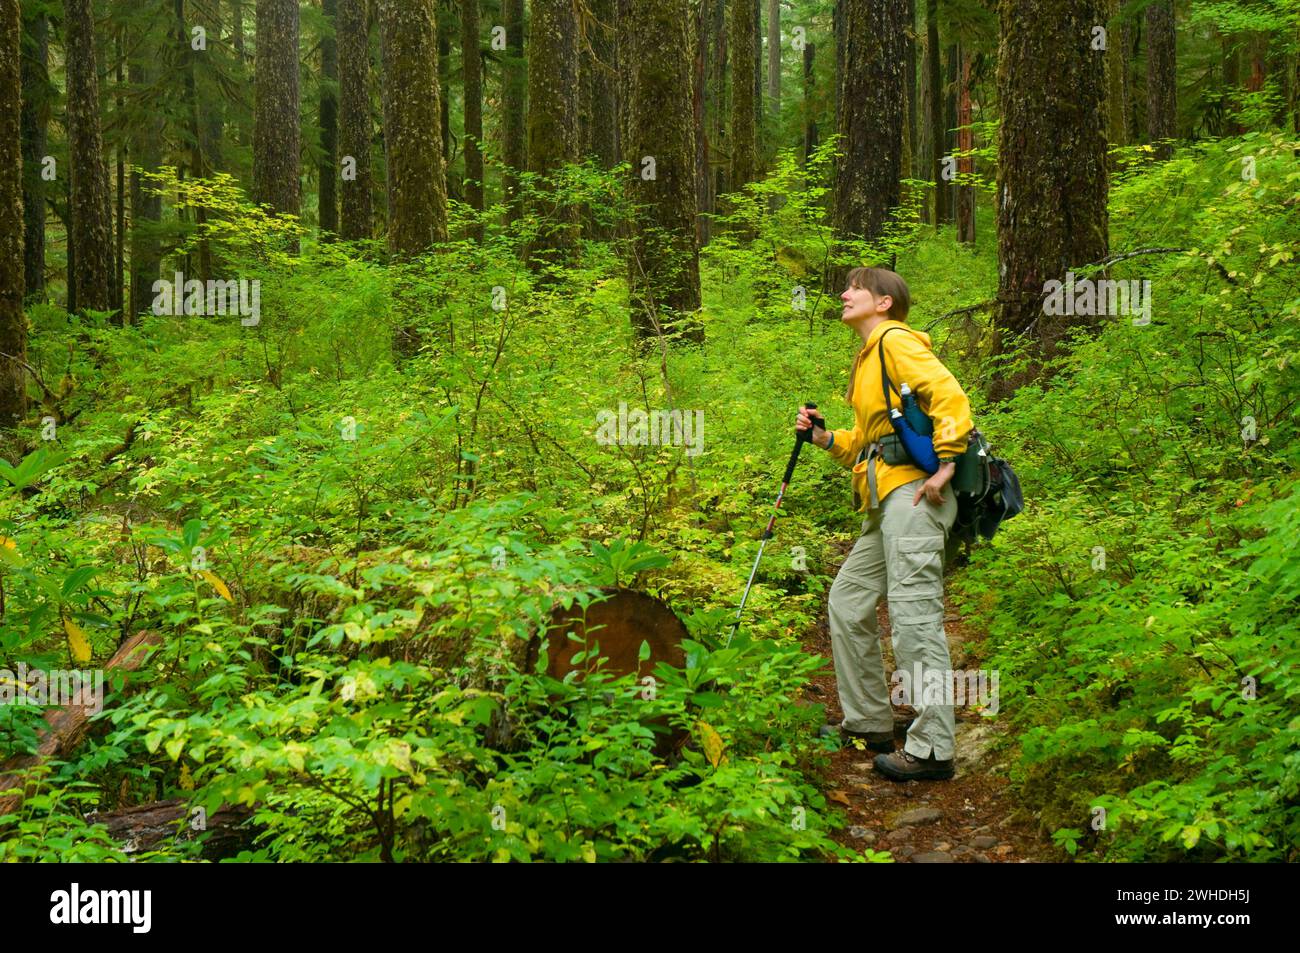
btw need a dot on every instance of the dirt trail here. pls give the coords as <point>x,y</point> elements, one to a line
<point>968,819</point>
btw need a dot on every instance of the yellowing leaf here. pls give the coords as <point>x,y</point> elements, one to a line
<point>187,781</point>
<point>215,581</point>
<point>589,852</point>
<point>78,644</point>
<point>9,554</point>
<point>712,742</point>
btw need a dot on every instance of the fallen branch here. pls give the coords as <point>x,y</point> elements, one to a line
<point>147,826</point>
<point>68,724</point>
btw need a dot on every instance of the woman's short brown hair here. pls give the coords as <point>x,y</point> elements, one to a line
<point>881,282</point>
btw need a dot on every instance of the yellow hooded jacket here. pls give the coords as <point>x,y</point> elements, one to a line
<point>909,360</point>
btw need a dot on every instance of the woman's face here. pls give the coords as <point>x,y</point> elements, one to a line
<point>860,304</point>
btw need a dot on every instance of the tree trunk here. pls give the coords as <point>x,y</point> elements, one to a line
<point>514,127</point>
<point>355,127</point>
<point>1052,185</point>
<point>1117,78</point>
<point>13,324</point>
<point>275,113</point>
<point>774,60</point>
<point>119,249</point>
<point>472,65</point>
<point>871,114</point>
<point>938,132</point>
<point>327,171</point>
<point>35,121</point>
<point>444,99</point>
<point>950,127</point>
<point>664,272</point>
<point>553,121</point>
<point>146,206</point>
<point>417,197</point>
<point>744,57</point>
<point>199,167</point>
<point>699,103</point>
<point>90,235</point>
<point>965,142</point>
<point>1162,78</point>
<point>909,87</point>
<point>810,138</point>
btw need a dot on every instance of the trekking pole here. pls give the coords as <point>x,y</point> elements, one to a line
<point>801,437</point>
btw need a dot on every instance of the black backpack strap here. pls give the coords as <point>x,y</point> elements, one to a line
<point>884,374</point>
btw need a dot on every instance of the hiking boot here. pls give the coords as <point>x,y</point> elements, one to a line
<point>902,765</point>
<point>875,740</point>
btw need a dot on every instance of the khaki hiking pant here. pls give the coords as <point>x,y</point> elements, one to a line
<point>899,556</point>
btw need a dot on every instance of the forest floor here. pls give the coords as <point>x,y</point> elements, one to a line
<point>971,818</point>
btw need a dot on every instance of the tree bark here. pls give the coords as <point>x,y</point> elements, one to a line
<point>938,132</point>
<point>90,235</point>
<point>35,120</point>
<point>774,59</point>
<point>664,274</point>
<point>13,324</point>
<point>810,136</point>
<point>871,114</point>
<point>355,126</point>
<point>965,142</point>
<point>275,113</point>
<point>1117,83</point>
<point>327,171</point>
<point>744,58</point>
<point>146,206</point>
<point>1052,184</point>
<point>514,125</point>
<point>553,121</point>
<point>472,67</point>
<point>699,103</point>
<point>1162,77</point>
<point>417,197</point>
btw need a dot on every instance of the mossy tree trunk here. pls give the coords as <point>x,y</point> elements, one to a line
<point>276,139</point>
<point>417,196</point>
<point>663,263</point>
<point>472,70</point>
<point>553,123</point>
<point>744,61</point>
<point>13,325</point>
<point>1052,183</point>
<point>355,126</point>
<point>36,95</point>
<point>514,95</point>
<point>329,123</point>
<point>870,123</point>
<point>938,132</point>
<point>90,233</point>
<point>1162,77</point>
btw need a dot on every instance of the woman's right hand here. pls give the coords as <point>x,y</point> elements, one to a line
<point>804,421</point>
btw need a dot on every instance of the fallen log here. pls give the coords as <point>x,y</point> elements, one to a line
<point>68,724</point>
<point>147,826</point>
<point>618,625</point>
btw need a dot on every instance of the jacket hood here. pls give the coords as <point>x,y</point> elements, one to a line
<point>884,326</point>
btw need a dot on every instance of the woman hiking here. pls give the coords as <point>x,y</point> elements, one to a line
<point>900,552</point>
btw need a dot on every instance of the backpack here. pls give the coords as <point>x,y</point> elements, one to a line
<point>986,487</point>
<point>987,491</point>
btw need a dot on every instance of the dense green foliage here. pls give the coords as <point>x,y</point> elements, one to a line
<point>344,557</point>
